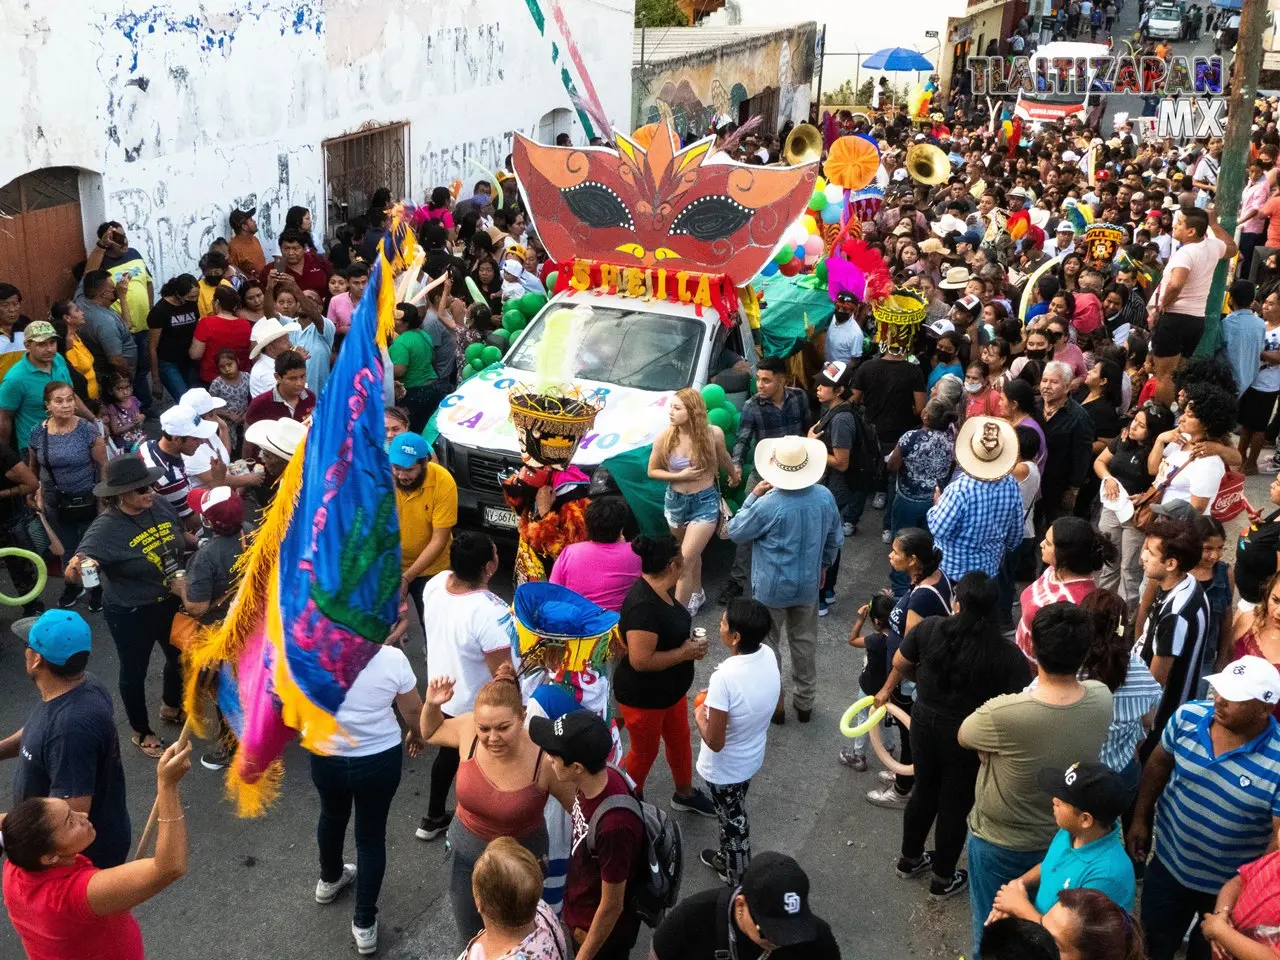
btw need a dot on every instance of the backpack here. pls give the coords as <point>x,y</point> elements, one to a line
<point>654,891</point>
<point>866,465</point>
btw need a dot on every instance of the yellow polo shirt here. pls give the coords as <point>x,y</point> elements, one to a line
<point>432,505</point>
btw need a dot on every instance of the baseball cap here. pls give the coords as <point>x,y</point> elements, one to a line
<point>408,449</point>
<point>182,421</point>
<point>39,330</point>
<point>847,296</point>
<point>940,326</point>
<point>57,635</point>
<point>238,217</point>
<point>1064,226</point>
<point>777,894</point>
<point>1175,510</point>
<point>201,401</point>
<point>1091,786</point>
<point>222,508</point>
<point>833,374</point>
<point>577,737</point>
<point>973,238</point>
<point>1249,678</point>
<point>970,304</point>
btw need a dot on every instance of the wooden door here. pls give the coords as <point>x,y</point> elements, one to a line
<point>41,236</point>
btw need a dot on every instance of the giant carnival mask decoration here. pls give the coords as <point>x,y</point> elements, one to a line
<point>1101,241</point>
<point>550,423</point>
<point>659,205</point>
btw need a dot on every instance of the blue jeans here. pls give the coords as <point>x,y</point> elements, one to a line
<point>990,867</point>
<point>177,378</point>
<point>369,783</point>
<point>142,371</point>
<point>901,513</point>
<point>1167,908</point>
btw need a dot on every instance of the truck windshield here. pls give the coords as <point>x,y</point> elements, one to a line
<point>648,351</point>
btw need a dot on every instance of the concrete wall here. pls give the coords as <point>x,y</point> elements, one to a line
<point>177,114</point>
<point>701,86</point>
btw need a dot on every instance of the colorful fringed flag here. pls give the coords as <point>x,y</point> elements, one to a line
<point>320,582</point>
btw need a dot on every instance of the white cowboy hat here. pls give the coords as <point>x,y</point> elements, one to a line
<point>1039,217</point>
<point>280,437</point>
<point>987,448</point>
<point>949,223</point>
<point>268,329</point>
<point>791,463</point>
<point>956,278</point>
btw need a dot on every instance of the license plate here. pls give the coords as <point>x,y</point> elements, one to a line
<point>500,517</point>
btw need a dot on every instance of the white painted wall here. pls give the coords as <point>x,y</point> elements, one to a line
<point>186,112</point>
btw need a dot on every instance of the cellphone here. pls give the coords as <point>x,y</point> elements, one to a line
<point>278,264</point>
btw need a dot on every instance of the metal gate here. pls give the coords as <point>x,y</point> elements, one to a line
<point>358,164</point>
<point>764,105</point>
<point>41,236</point>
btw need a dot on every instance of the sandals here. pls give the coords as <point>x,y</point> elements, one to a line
<point>153,750</point>
<point>173,715</point>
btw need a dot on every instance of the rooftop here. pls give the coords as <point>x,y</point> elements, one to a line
<point>673,43</point>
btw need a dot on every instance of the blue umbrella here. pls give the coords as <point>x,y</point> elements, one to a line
<point>896,59</point>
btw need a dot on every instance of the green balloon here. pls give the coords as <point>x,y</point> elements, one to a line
<point>785,254</point>
<point>531,303</point>
<point>818,202</point>
<point>552,277</point>
<point>512,319</point>
<point>473,351</point>
<point>721,417</point>
<point>499,338</point>
<point>521,323</point>
<point>491,355</point>
<point>820,271</point>
<point>713,395</point>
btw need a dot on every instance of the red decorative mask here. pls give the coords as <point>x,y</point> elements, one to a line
<point>660,206</point>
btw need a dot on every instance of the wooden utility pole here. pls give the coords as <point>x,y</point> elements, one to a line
<point>1243,88</point>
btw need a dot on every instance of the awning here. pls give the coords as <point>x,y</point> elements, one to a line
<point>1227,4</point>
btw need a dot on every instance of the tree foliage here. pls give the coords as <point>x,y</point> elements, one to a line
<point>660,13</point>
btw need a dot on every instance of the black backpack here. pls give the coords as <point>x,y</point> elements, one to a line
<point>866,465</point>
<point>654,888</point>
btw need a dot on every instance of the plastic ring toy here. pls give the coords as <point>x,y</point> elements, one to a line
<point>877,742</point>
<point>872,721</point>
<point>41,576</point>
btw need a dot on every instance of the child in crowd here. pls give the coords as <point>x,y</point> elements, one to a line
<point>1248,912</point>
<point>512,288</point>
<point>337,285</point>
<point>874,672</point>
<point>1214,575</point>
<point>123,414</point>
<point>233,387</point>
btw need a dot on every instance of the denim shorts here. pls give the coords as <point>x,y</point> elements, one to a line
<point>682,509</point>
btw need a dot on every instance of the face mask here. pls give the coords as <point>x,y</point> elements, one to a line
<point>972,387</point>
<point>1035,354</point>
<point>945,357</point>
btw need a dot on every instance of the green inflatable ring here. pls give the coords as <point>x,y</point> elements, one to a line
<point>876,716</point>
<point>41,576</point>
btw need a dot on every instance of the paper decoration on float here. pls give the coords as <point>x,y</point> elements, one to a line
<point>898,318</point>
<point>1100,242</point>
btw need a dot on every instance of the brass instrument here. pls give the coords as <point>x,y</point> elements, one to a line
<point>927,164</point>
<point>996,220</point>
<point>804,145</point>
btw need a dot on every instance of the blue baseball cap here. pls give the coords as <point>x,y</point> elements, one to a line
<point>57,635</point>
<point>408,449</point>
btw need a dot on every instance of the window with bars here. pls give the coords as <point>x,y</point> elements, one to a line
<point>40,190</point>
<point>357,164</point>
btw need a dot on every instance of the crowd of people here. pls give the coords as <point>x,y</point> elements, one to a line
<point>1083,671</point>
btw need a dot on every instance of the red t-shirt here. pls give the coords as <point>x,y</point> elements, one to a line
<point>1042,592</point>
<point>619,844</point>
<point>1257,912</point>
<point>50,910</point>
<point>218,334</point>
<point>312,276</point>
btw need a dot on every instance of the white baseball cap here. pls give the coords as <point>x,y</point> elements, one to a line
<point>1249,678</point>
<point>201,401</point>
<point>182,421</point>
<point>940,326</point>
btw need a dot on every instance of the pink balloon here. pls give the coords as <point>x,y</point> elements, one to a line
<point>813,245</point>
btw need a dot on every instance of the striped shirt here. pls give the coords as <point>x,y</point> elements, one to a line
<point>1177,627</point>
<point>1044,590</point>
<point>1130,703</point>
<point>174,485</point>
<point>1215,814</point>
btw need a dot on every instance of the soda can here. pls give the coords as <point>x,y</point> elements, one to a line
<point>89,573</point>
<point>699,633</point>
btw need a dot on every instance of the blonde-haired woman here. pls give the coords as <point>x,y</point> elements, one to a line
<point>688,456</point>
<point>507,886</point>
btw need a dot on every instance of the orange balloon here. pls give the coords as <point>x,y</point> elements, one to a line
<point>852,163</point>
<point>699,698</point>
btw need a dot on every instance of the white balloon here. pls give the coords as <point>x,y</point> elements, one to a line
<point>834,193</point>
<point>882,177</point>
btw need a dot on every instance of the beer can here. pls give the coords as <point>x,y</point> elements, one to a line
<point>179,575</point>
<point>89,573</point>
<point>699,633</point>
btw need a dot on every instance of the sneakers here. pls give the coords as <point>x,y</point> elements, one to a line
<point>887,776</point>
<point>33,609</point>
<point>850,529</point>
<point>730,591</point>
<point>712,859</point>
<point>823,607</point>
<point>95,600</point>
<point>878,501</point>
<point>696,601</point>
<point>71,592</point>
<point>855,761</point>
<point>907,868</point>
<point>432,827</point>
<point>940,889</point>
<point>888,797</point>
<point>366,938</point>
<point>804,716</point>
<point>697,802</point>
<point>216,759</point>
<point>886,536</point>
<point>1269,466</point>
<point>328,892</point>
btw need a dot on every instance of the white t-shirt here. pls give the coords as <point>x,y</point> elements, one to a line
<point>1199,260</point>
<point>200,461</point>
<point>12,344</point>
<point>746,687</point>
<point>262,377</point>
<point>460,629</point>
<point>1199,478</point>
<point>1206,172</point>
<point>1029,487</point>
<point>366,718</point>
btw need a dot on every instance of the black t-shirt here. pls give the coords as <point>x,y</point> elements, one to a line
<point>1009,672</point>
<point>1129,466</point>
<point>876,672</point>
<point>644,610</point>
<point>1106,422</point>
<point>888,390</point>
<point>1256,557</point>
<point>177,326</point>
<point>692,930</point>
<point>70,748</point>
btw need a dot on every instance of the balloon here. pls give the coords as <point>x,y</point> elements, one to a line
<point>820,271</point>
<point>552,277</point>
<point>820,183</point>
<point>797,235</point>
<point>500,339</point>
<point>713,395</point>
<point>521,323</point>
<point>790,268</point>
<point>831,214</point>
<point>810,224</point>
<point>851,163</point>
<point>721,417</point>
<point>813,245</point>
<point>512,319</point>
<point>769,269</point>
<point>473,351</point>
<point>817,201</point>
<point>531,303</point>
<point>491,355</point>
<point>811,258</point>
<point>785,253</point>
<point>834,194</point>
<point>474,291</point>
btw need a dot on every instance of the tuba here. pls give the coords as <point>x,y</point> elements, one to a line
<point>927,164</point>
<point>996,220</point>
<point>804,145</point>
